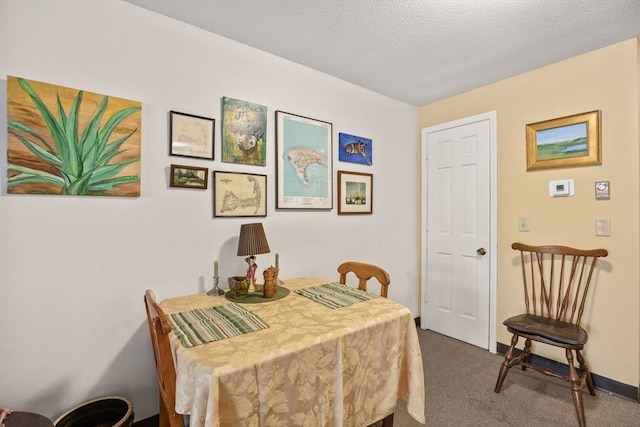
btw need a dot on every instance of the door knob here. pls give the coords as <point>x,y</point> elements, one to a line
<point>481,251</point>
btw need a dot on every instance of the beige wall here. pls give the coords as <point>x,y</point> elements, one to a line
<point>605,80</point>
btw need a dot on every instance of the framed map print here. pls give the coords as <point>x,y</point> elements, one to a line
<point>191,136</point>
<point>303,162</point>
<point>239,194</point>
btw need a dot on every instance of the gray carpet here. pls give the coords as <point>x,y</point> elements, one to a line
<point>459,380</point>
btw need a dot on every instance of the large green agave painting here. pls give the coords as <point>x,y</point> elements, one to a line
<point>71,142</point>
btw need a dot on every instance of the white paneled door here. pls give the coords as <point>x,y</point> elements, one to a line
<point>457,301</point>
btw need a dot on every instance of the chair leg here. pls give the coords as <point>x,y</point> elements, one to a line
<point>586,374</point>
<point>388,420</point>
<point>526,353</point>
<point>506,364</point>
<point>576,389</point>
<point>164,414</point>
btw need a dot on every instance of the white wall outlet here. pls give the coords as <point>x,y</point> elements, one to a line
<point>523,223</point>
<point>603,227</point>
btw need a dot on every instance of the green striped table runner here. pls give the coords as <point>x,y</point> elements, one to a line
<point>335,295</point>
<point>204,325</point>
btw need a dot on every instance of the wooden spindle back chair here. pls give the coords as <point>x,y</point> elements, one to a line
<point>364,272</point>
<point>159,329</point>
<point>556,282</point>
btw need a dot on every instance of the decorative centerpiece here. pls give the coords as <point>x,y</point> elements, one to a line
<point>239,286</point>
<point>270,282</point>
<point>279,282</point>
<point>252,241</point>
<point>215,290</point>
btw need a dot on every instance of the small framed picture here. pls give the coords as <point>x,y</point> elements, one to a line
<point>189,177</point>
<point>355,193</point>
<point>355,149</point>
<point>564,142</point>
<point>191,136</point>
<point>238,194</point>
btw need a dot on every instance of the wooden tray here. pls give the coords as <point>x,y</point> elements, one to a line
<point>256,297</point>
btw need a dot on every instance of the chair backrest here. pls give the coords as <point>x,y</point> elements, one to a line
<point>159,329</point>
<point>556,279</point>
<point>364,272</point>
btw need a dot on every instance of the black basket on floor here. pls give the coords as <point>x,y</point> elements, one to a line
<point>110,411</point>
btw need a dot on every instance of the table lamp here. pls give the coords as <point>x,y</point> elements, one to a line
<point>252,242</point>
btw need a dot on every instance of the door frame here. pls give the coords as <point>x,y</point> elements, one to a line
<point>493,215</point>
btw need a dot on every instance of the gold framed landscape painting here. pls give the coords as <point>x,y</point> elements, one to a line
<point>564,142</point>
<point>64,141</point>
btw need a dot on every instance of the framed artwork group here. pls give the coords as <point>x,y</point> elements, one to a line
<point>303,168</point>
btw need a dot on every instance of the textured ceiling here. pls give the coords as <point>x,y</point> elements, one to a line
<point>417,51</point>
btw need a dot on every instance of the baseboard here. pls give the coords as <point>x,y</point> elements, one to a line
<point>153,421</point>
<point>601,383</point>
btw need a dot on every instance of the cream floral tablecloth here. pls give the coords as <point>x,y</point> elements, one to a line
<point>314,366</point>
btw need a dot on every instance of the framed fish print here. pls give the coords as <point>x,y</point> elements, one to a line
<point>355,149</point>
<point>355,193</point>
<point>304,162</point>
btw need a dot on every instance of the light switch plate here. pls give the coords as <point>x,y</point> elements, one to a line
<point>603,227</point>
<point>523,223</point>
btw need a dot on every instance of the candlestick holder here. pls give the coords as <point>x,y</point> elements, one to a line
<point>216,290</point>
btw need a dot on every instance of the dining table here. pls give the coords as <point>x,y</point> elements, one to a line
<point>317,354</point>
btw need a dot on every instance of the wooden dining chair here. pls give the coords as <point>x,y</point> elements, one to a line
<point>364,272</point>
<point>556,284</point>
<point>159,329</point>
